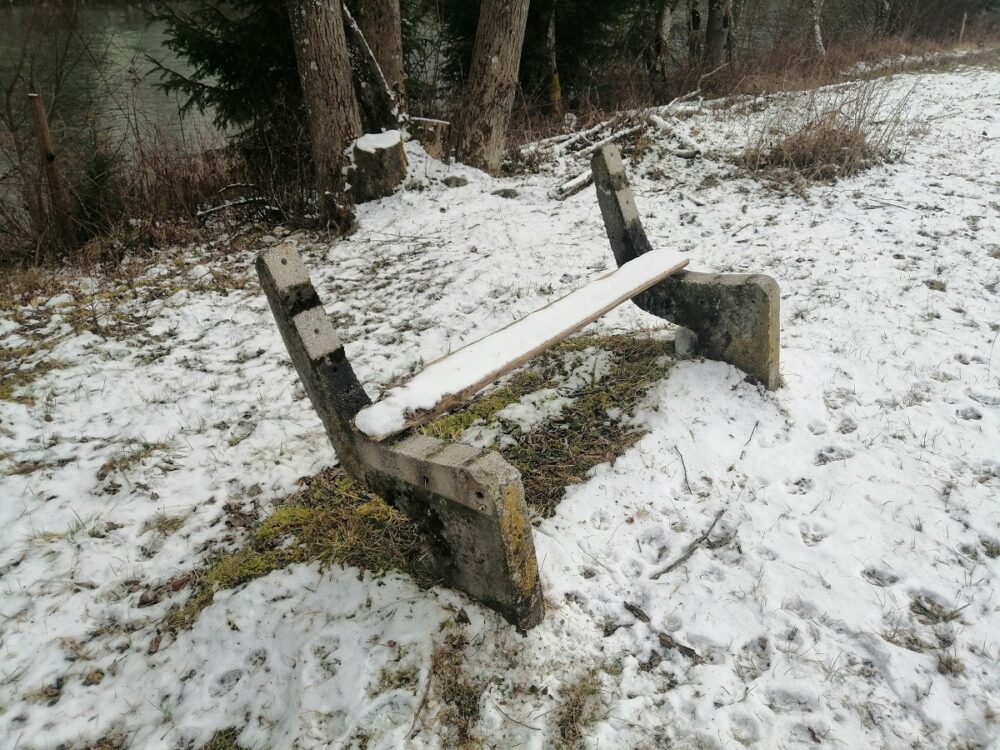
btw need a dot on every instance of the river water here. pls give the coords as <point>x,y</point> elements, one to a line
<point>94,63</point>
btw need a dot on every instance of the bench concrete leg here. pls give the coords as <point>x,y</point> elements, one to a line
<point>736,317</point>
<point>468,503</point>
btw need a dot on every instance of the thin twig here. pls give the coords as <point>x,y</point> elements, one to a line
<point>420,708</point>
<point>744,451</point>
<point>690,548</point>
<point>685,468</point>
<point>511,718</point>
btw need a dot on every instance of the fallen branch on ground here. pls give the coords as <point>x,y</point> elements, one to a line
<point>690,548</point>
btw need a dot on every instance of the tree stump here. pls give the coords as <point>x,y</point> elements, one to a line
<point>379,166</point>
<point>433,135</point>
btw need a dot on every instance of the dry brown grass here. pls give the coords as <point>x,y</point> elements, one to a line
<point>829,134</point>
<point>580,709</point>
<point>458,692</point>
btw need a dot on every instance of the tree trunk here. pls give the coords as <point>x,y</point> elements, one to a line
<point>733,8</point>
<point>694,33</point>
<point>555,87</point>
<point>334,119</point>
<point>817,10</point>
<point>376,102</point>
<point>715,34</point>
<point>661,42</point>
<point>381,23</point>
<point>489,93</point>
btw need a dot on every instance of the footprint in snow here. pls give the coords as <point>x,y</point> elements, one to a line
<point>880,577</point>
<point>846,426</point>
<point>800,486</point>
<point>226,682</point>
<point>753,659</point>
<point>812,534</point>
<point>832,453</point>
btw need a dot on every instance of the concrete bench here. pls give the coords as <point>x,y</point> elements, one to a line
<point>468,502</point>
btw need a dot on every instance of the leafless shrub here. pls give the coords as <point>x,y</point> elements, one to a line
<point>829,133</point>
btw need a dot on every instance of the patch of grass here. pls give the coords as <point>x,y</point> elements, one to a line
<point>451,426</point>
<point>930,612</point>
<point>13,380</point>
<point>579,710</point>
<point>991,548</point>
<point>332,520</point>
<point>561,451</point>
<point>163,524</point>
<point>395,677</point>
<point>457,691</point>
<point>905,638</point>
<point>225,739</point>
<point>113,741</point>
<point>137,452</point>
<point>949,663</point>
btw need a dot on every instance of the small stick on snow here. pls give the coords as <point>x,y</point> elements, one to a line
<point>420,708</point>
<point>690,548</point>
<point>511,718</point>
<point>685,468</point>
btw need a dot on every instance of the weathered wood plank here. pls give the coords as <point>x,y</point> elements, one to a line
<point>449,381</point>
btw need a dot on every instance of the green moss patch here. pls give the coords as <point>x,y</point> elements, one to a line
<point>331,520</point>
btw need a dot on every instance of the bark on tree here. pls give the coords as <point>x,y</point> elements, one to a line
<point>733,8</point>
<point>661,42</point>
<point>555,87</point>
<point>694,33</point>
<point>381,23</point>
<point>376,101</point>
<point>481,125</point>
<point>817,10</point>
<point>715,34</point>
<point>334,121</point>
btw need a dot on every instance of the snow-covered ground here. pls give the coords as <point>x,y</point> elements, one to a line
<point>847,598</point>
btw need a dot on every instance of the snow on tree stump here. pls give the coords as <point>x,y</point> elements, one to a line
<point>378,166</point>
<point>433,135</point>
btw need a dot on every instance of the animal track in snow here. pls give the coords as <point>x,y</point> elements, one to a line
<point>832,453</point>
<point>812,534</point>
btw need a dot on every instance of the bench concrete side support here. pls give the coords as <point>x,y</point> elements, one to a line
<point>468,503</point>
<point>735,316</point>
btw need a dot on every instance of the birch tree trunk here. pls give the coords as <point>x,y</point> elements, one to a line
<point>334,120</point>
<point>481,125</point>
<point>381,23</point>
<point>732,20</point>
<point>817,10</point>
<point>661,42</point>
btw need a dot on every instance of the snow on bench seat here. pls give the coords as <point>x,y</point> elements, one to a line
<point>448,381</point>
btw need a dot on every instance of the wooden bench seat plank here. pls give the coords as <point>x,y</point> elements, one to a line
<point>448,381</point>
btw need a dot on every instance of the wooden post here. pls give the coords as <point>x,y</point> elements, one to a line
<point>961,34</point>
<point>58,195</point>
